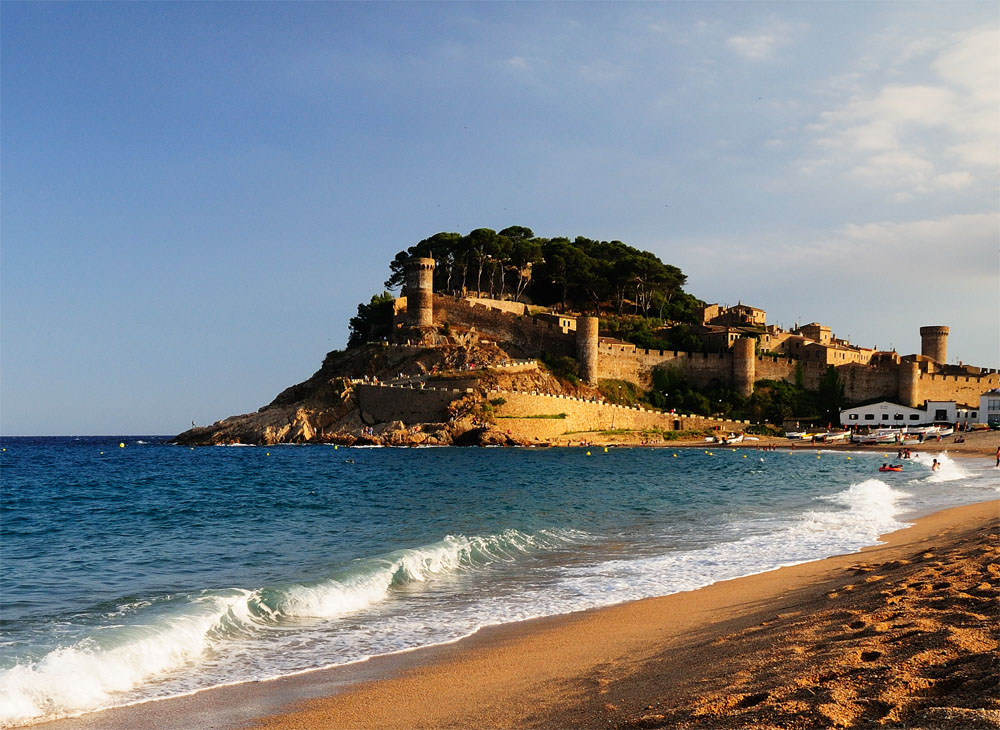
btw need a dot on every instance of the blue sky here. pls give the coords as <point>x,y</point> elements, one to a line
<point>196,196</point>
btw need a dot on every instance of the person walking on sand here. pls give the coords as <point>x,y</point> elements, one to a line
<point>998,455</point>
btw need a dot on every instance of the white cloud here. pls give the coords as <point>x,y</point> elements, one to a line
<point>753,47</point>
<point>912,139</point>
<point>876,282</point>
<point>763,43</point>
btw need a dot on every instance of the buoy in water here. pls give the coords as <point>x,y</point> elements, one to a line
<point>121,445</point>
<point>588,453</point>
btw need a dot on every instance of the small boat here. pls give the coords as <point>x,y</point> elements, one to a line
<point>835,436</point>
<point>795,434</point>
<point>891,467</point>
<point>732,439</point>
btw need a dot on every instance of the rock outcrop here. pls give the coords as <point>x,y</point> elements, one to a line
<point>324,408</point>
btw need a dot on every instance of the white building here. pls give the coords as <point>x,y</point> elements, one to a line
<point>989,407</point>
<point>892,415</point>
<point>887,415</point>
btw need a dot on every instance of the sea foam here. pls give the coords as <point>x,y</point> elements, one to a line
<point>88,674</point>
<point>864,512</point>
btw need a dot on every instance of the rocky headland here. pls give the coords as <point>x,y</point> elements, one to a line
<point>326,407</point>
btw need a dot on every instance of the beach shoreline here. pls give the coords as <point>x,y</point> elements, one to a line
<point>626,665</point>
<point>976,444</point>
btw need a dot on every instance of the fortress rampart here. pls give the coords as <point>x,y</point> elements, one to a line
<point>529,337</point>
<point>960,388</point>
<point>739,366</point>
<point>383,403</point>
<point>525,415</point>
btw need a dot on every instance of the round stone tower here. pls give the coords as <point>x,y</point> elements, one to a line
<point>934,342</point>
<point>420,292</point>
<point>744,365</point>
<point>909,384</point>
<point>587,348</point>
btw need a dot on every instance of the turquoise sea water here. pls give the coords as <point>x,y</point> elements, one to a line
<point>128,574</point>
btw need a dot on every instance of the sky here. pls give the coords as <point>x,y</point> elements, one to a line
<point>196,196</point>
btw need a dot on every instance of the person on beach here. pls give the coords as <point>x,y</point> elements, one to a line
<point>936,465</point>
<point>998,456</point>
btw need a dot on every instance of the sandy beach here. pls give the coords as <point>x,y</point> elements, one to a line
<point>972,443</point>
<point>900,635</point>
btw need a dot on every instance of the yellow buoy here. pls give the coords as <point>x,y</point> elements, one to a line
<point>744,456</point>
<point>121,445</point>
<point>848,458</point>
<point>675,456</point>
<point>335,447</point>
<point>605,449</point>
<point>268,453</point>
<point>588,453</point>
<point>817,456</point>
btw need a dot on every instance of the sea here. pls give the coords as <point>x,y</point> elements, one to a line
<point>133,570</point>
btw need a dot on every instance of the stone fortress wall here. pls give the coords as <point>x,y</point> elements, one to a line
<point>525,415</point>
<point>909,383</point>
<point>528,335</point>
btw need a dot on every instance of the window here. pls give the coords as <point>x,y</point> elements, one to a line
<point>898,417</point>
<point>940,414</point>
<point>914,417</point>
<point>853,417</point>
<point>974,414</point>
<point>869,416</point>
<point>885,416</point>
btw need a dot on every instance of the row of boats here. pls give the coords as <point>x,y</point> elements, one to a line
<point>901,436</point>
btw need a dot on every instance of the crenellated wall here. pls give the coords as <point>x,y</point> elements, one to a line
<point>519,409</point>
<point>524,414</point>
<point>528,336</point>
<point>615,360</point>
<point>383,403</point>
<point>964,389</point>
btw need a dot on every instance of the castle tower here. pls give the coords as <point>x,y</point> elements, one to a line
<point>744,365</point>
<point>587,348</point>
<point>909,384</point>
<point>934,343</point>
<point>420,292</point>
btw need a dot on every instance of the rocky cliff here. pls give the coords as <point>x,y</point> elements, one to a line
<point>325,408</point>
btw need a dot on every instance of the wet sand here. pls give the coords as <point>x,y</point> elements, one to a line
<point>903,634</point>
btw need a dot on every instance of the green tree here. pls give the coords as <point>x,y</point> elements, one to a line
<point>830,395</point>
<point>374,320</point>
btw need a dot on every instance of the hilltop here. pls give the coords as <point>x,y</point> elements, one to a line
<point>565,337</point>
